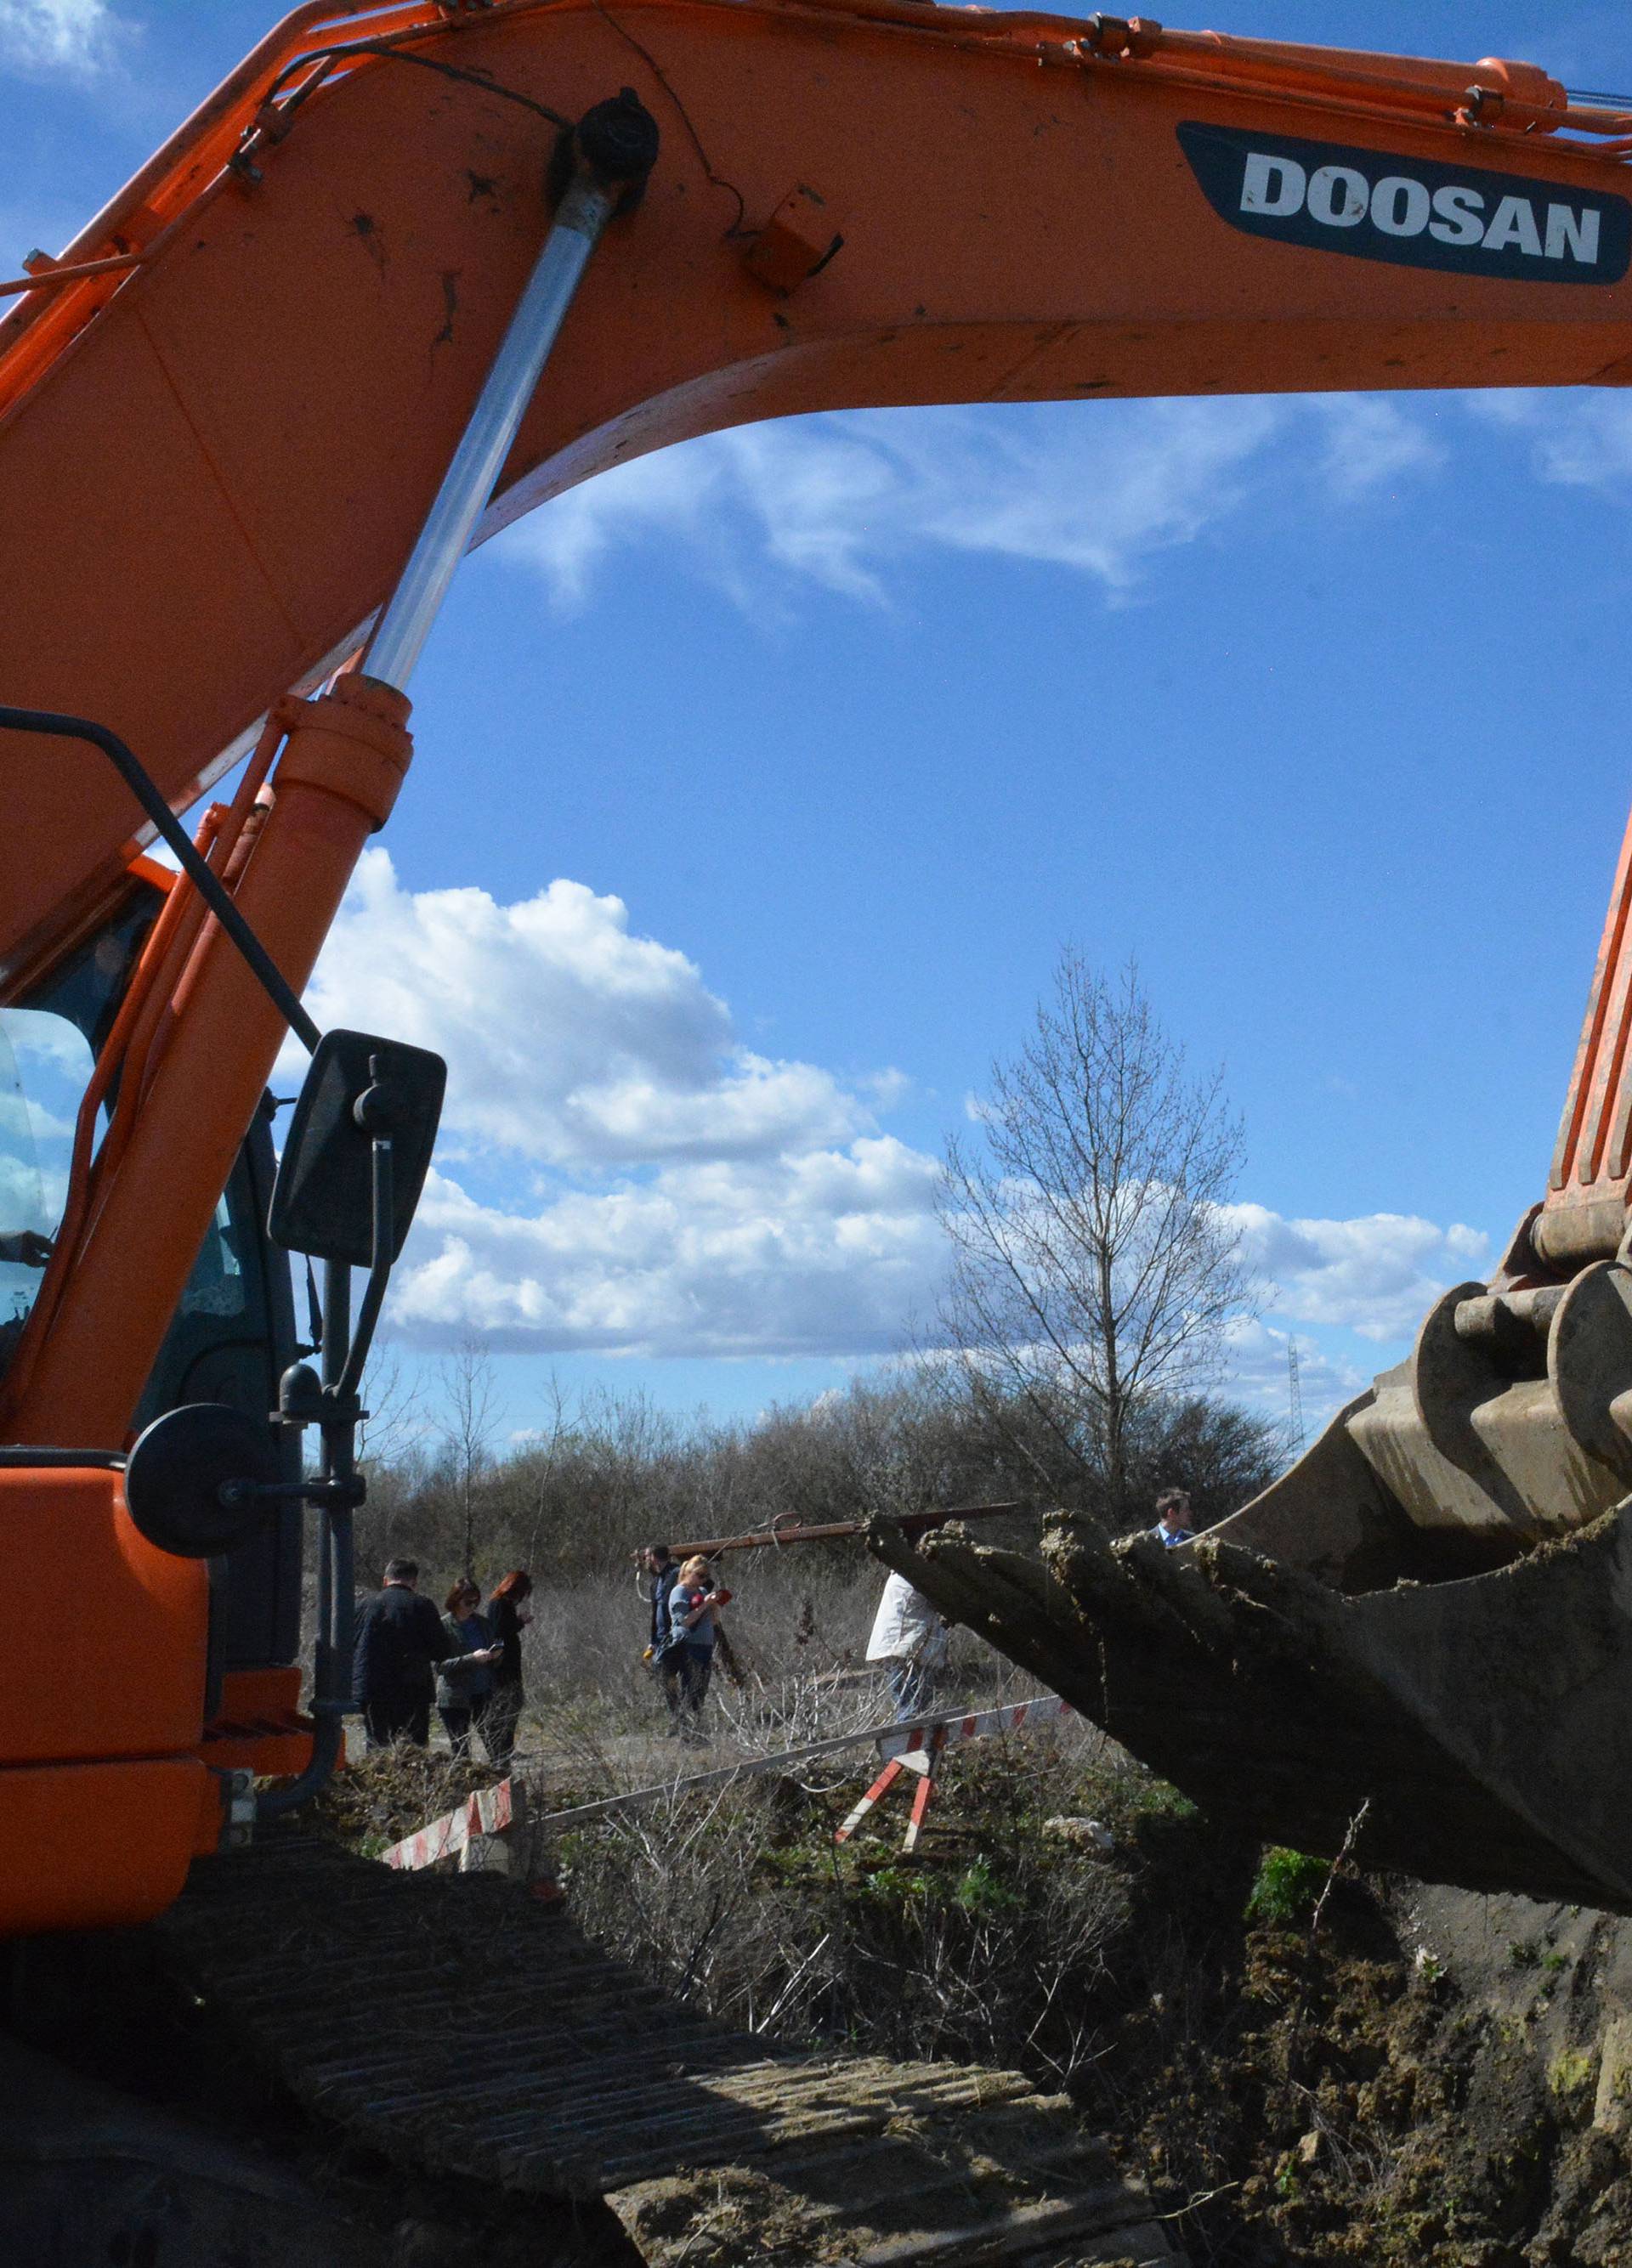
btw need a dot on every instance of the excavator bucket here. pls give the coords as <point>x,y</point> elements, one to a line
<point>1477,1731</point>
<point>1418,1641</point>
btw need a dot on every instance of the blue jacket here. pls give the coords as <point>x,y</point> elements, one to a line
<point>460,1684</point>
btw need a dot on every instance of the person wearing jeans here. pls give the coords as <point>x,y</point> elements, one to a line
<point>693,1604</point>
<point>909,1634</point>
<point>661,1565</point>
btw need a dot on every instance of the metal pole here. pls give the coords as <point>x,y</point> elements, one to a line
<point>617,145</point>
<point>336,1574</point>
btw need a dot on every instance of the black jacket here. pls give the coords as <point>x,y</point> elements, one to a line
<point>507,1631</point>
<point>399,1635</point>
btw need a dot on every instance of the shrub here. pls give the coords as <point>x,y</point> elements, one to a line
<point>1285,1885</point>
<point>736,1896</point>
<point>980,1892</point>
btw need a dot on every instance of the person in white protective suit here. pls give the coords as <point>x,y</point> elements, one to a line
<point>909,1635</point>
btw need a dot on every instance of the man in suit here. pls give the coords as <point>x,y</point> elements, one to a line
<point>399,1637</point>
<point>1173,1519</point>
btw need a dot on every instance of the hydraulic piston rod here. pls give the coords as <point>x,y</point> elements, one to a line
<point>614,149</point>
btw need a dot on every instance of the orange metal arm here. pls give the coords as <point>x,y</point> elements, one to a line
<point>214,464</point>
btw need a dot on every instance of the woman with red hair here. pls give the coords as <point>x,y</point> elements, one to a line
<point>509,1614</point>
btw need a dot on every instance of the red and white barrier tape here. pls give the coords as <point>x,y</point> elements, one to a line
<point>489,1812</point>
<point>493,1810</point>
<point>953,1729</point>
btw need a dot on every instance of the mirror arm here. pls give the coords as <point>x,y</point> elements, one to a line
<point>380,1270</point>
<point>331,1402</point>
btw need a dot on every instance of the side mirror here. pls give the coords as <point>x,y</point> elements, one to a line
<point>201,1479</point>
<point>358,1089</point>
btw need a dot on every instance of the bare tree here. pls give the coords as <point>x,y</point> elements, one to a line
<point>391,1422</point>
<point>541,1455</point>
<point>1093,1267</point>
<point>470,1387</point>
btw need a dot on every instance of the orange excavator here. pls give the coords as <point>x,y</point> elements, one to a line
<point>414,269</point>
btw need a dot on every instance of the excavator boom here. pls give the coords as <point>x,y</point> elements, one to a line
<point>215,461</point>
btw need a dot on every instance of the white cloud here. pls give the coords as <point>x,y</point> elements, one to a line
<point>621,1173</point>
<point>1579,437</point>
<point>1369,442</point>
<point>833,1253</point>
<point>666,1189</point>
<point>48,1043</point>
<point>571,1041</point>
<point>826,1253</point>
<point>1377,1275</point>
<point>845,500</point>
<point>75,36</point>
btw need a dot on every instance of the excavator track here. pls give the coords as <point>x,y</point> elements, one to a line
<point>364,1991</point>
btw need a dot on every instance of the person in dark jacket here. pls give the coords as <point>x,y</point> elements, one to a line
<point>399,1637</point>
<point>464,1681</point>
<point>508,1613</point>
<point>664,1569</point>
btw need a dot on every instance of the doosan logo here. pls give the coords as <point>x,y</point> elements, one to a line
<point>1414,213</point>
<point>1340,196</point>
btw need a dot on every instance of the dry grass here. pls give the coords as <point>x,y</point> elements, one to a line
<point>798,1631</point>
<point>385,1794</point>
<point>986,1946</point>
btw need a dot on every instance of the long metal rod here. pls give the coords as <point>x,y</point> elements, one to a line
<point>332,1664</point>
<point>912,1524</point>
<point>399,634</point>
<point>378,1274</point>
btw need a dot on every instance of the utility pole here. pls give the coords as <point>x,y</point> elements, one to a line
<point>1295,1400</point>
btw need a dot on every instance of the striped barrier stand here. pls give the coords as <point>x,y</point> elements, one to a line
<point>915,1761</point>
<point>481,1833</point>
<point>920,1748</point>
<point>490,1811</point>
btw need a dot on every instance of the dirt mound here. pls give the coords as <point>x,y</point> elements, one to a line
<point>1429,2077</point>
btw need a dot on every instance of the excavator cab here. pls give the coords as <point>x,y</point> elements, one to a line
<point>232,1337</point>
<point>194,1532</point>
<point>179,1674</point>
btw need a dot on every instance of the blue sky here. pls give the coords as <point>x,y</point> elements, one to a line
<point>759,785</point>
